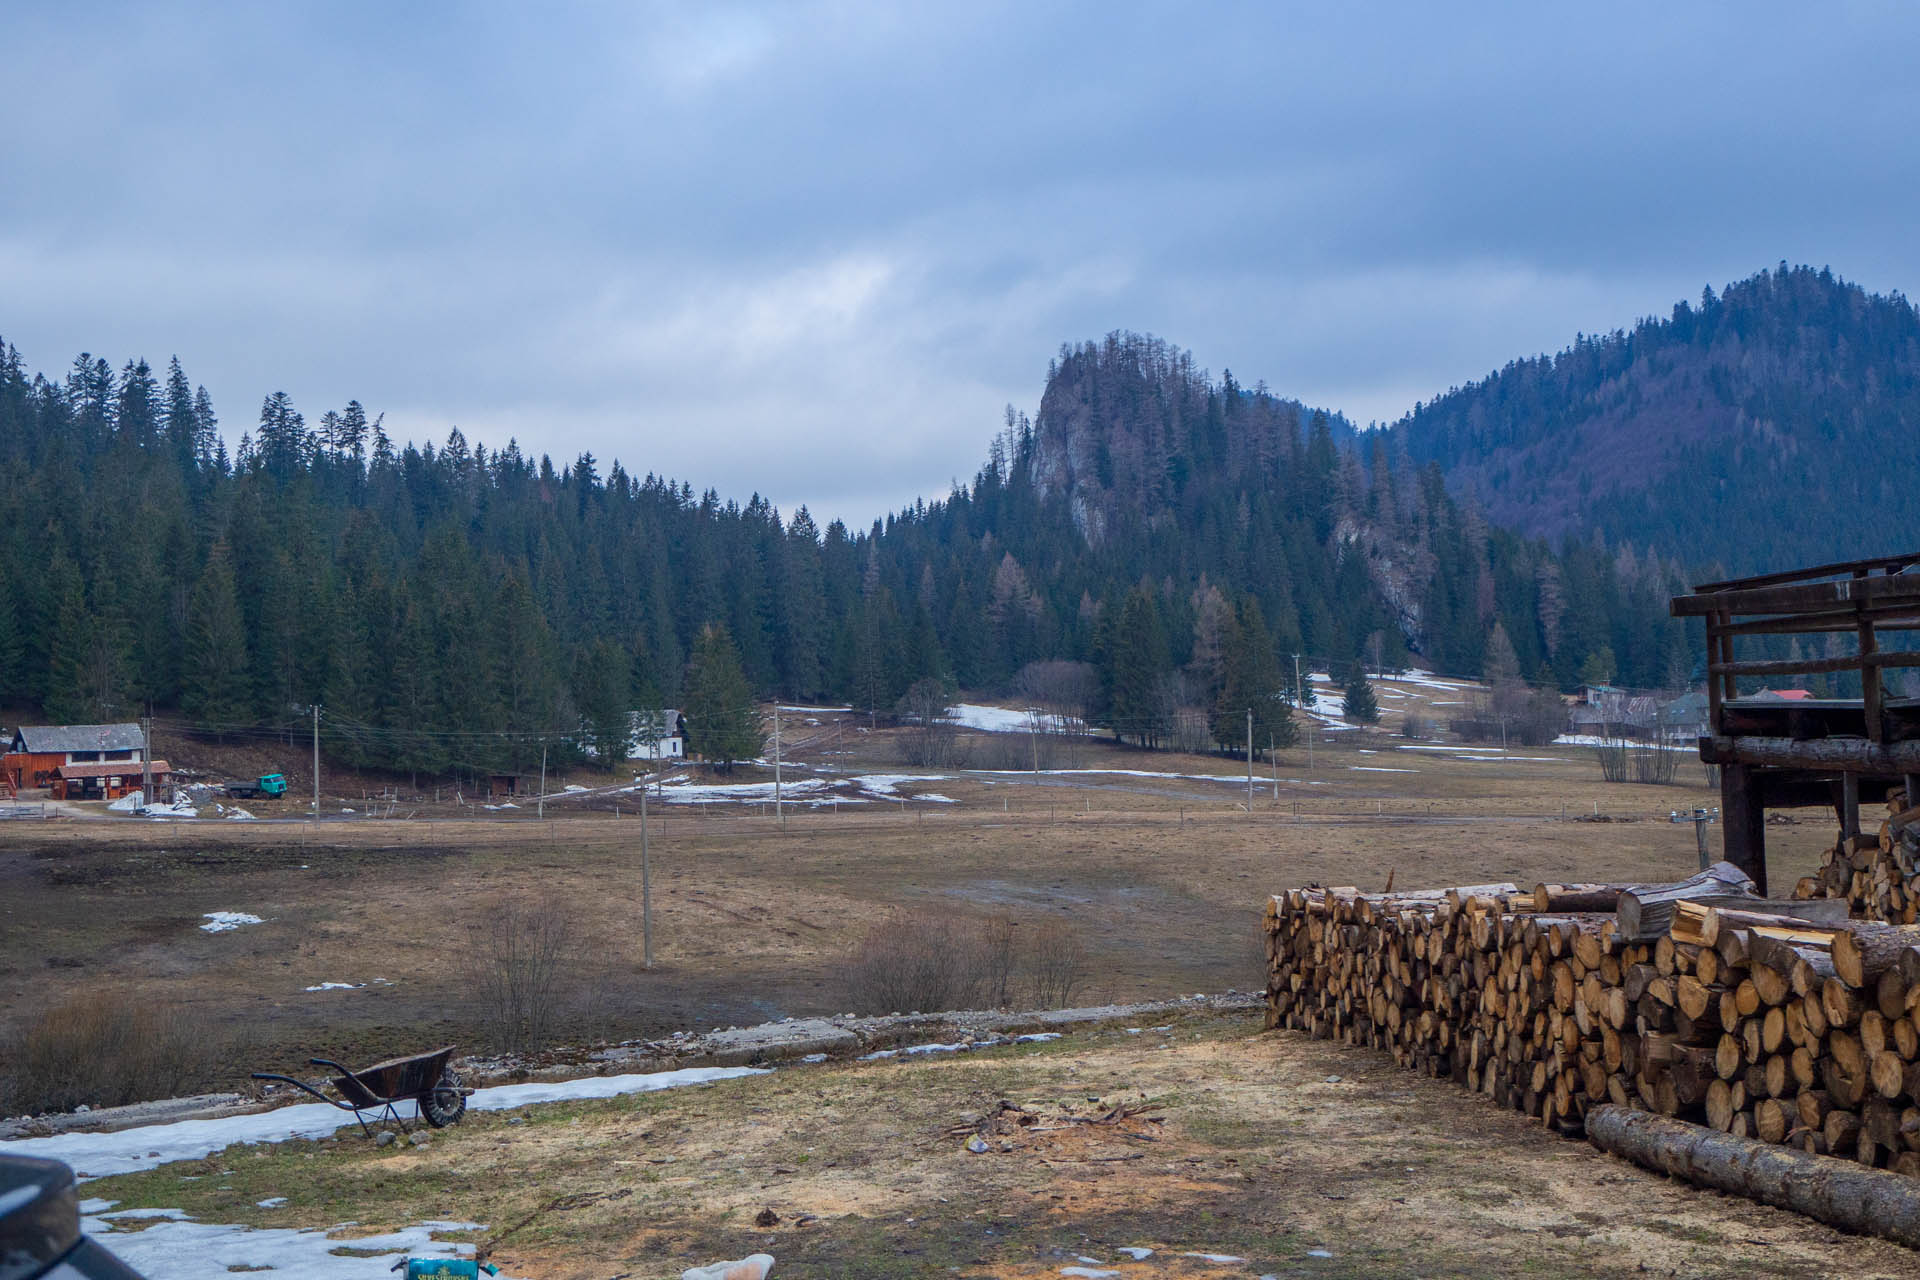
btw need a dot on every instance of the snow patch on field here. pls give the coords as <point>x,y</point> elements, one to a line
<point>972,715</point>
<point>813,792</point>
<point>172,1246</point>
<point>99,1155</point>
<point>223,921</point>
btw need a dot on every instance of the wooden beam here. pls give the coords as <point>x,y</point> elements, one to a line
<point>1855,755</point>
<point>1889,564</point>
<point>1900,617</point>
<point>1805,598</point>
<point>1815,666</point>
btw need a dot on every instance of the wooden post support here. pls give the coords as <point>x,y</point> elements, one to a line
<point>1743,821</point>
<point>1850,805</point>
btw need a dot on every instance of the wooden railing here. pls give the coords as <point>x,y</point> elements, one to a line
<point>1860,598</point>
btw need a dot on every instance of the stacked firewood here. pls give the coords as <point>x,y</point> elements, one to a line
<point>1782,1021</point>
<point>1877,874</point>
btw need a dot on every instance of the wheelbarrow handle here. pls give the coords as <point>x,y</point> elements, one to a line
<point>304,1087</point>
<point>328,1062</point>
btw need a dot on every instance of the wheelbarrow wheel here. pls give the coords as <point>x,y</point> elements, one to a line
<point>445,1103</point>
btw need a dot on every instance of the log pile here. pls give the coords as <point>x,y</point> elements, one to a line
<point>1878,875</point>
<point>1738,1013</point>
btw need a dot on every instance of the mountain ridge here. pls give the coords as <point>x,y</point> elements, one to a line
<point>1700,434</point>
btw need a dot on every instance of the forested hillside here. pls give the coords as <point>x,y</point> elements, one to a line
<point>1753,430</point>
<point>451,604</point>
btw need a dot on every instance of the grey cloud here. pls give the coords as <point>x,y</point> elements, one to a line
<point>810,250</point>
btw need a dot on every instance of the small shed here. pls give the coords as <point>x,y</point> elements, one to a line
<point>502,785</point>
<point>106,780</point>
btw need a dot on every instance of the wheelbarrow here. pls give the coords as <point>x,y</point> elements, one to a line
<point>424,1079</point>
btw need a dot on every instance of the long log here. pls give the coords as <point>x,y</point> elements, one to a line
<point>1646,911</point>
<point>1577,897</point>
<point>1862,952</point>
<point>1840,1194</point>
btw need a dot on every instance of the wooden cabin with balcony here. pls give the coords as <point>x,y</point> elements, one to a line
<point>1780,752</point>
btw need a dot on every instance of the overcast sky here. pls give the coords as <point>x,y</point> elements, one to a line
<point>811,251</point>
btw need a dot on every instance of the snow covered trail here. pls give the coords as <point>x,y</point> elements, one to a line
<point>99,1155</point>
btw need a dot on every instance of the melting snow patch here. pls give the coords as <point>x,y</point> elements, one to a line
<point>129,803</point>
<point>222,921</point>
<point>179,1248</point>
<point>130,1150</point>
<point>938,1048</point>
<point>1319,1253</point>
<point>1089,1273</point>
<point>271,1202</point>
<point>1139,1253</point>
<point>336,986</point>
<point>1224,1259</point>
<point>990,719</point>
<point>879,1055</point>
<point>1374,768</point>
<point>1037,1037</point>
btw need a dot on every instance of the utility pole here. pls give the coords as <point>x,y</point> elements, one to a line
<point>1249,762</point>
<point>779,809</point>
<point>316,761</point>
<point>1273,758</point>
<point>1299,690</point>
<point>541,808</point>
<point>646,887</point>
<point>1033,735</point>
<point>146,759</point>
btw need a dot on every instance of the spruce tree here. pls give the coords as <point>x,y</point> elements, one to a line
<point>722,723</point>
<point>1359,705</point>
<point>1140,666</point>
<point>1253,683</point>
<point>216,687</point>
<point>602,691</point>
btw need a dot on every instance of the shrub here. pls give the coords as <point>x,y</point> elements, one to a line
<point>530,953</point>
<point>110,1048</point>
<point>928,961</point>
<point>1056,964</point>
<point>918,960</point>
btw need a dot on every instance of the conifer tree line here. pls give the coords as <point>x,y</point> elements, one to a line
<point>456,607</point>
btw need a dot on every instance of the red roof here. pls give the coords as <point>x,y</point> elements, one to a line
<point>1791,695</point>
<point>110,769</point>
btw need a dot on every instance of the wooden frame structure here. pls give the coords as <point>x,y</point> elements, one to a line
<point>1780,753</point>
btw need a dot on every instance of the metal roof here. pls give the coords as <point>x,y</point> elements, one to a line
<point>111,769</point>
<point>58,739</point>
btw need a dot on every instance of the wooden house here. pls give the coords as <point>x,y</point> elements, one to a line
<point>37,751</point>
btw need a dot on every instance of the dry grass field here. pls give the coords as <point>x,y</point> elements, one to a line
<point>1162,876</point>
<point>1295,1157</point>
